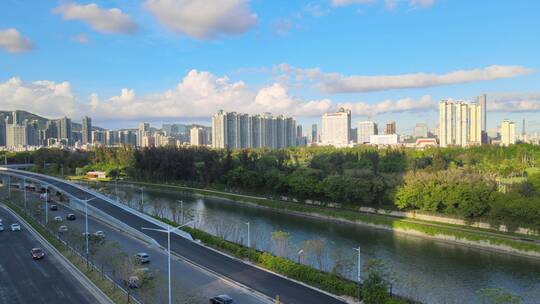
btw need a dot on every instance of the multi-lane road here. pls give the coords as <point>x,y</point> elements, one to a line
<point>193,282</point>
<point>24,280</point>
<point>254,278</point>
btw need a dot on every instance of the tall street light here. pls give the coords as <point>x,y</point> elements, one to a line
<point>168,231</point>
<point>24,185</point>
<point>248,236</point>
<point>358,277</point>
<point>181,210</point>
<point>86,200</point>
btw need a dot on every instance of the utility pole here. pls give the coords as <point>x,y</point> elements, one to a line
<point>168,231</point>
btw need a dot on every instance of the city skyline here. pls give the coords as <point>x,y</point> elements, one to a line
<point>183,76</point>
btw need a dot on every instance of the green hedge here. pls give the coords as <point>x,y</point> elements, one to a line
<point>303,273</point>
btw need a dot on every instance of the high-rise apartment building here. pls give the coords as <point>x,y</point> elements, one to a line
<point>198,136</point>
<point>99,137</point>
<point>336,128</point>
<point>508,133</point>
<point>460,124</point>
<point>365,130</point>
<point>314,134</point>
<point>144,128</point>
<point>390,128</point>
<point>64,130</point>
<point>235,131</point>
<point>482,102</point>
<point>16,135</point>
<point>86,130</point>
<point>2,131</point>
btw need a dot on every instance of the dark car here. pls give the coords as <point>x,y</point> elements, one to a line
<point>221,299</point>
<point>53,208</point>
<point>37,253</point>
<point>71,217</point>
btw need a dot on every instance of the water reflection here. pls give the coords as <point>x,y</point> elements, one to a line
<point>427,270</point>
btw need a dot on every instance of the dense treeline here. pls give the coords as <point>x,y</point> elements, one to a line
<point>492,183</point>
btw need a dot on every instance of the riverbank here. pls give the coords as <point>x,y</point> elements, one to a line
<point>472,237</point>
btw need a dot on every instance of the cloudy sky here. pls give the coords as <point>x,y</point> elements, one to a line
<point>124,61</point>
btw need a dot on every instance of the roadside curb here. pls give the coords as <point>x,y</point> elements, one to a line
<point>99,295</point>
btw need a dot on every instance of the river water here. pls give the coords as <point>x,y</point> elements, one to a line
<point>426,270</point>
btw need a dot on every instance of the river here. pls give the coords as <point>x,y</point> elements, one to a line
<point>426,270</point>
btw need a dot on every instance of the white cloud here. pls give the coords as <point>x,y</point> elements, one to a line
<point>349,2</point>
<point>335,83</point>
<point>13,42</point>
<point>392,106</point>
<point>203,19</point>
<point>41,97</point>
<point>422,3</point>
<point>198,94</point>
<point>514,102</point>
<point>102,20</point>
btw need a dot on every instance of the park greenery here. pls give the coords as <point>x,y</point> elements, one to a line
<point>500,185</point>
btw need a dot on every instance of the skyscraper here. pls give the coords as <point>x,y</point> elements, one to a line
<point>390,128</point>
<point>508,133</point>
<point>86,130</point>
<point>233,130</point>
<point>314,134</point>
<point>144,127</point>
<point>198,136</point>
<point>365,130</point>
<point>2,131</point>
<point>459,124</point>
<point>482,102</point>
<point>336,128</point>
<point>64,129</point>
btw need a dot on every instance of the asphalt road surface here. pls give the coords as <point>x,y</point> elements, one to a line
<point>185,276</point>
<point>264,282</point>
<point>24,280</point>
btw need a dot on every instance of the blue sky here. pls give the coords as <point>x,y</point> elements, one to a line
<point>184,60</point>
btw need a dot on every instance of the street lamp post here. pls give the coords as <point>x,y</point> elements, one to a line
<point>86,200</point>
<point>168,231</point>
<point>181,211</point>
<point>358,276</point>
<point>142,197</point>
<point>116,189</point>
<point>24,185</point>
<point>248,236</point>
<point>46,204</point>
<point>300,253</point>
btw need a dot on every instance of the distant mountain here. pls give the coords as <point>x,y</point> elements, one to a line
<point>42,121</point>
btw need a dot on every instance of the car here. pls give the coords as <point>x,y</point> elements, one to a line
<point>1,227</point>
<point>221,299</point>
<point>58,219</point>
<point>53,207</point>
<point>15,227</point>
<point>142,258</point>
<point>37,253</point>
<point>99,234</point>
<point>63,228</point>
<point>71,217</point>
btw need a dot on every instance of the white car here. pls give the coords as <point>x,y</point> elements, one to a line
<point>58,219</point>
<point>63,228</point>
<point>100,234</point>
<point>15,227</point>
<point>1,227</point>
